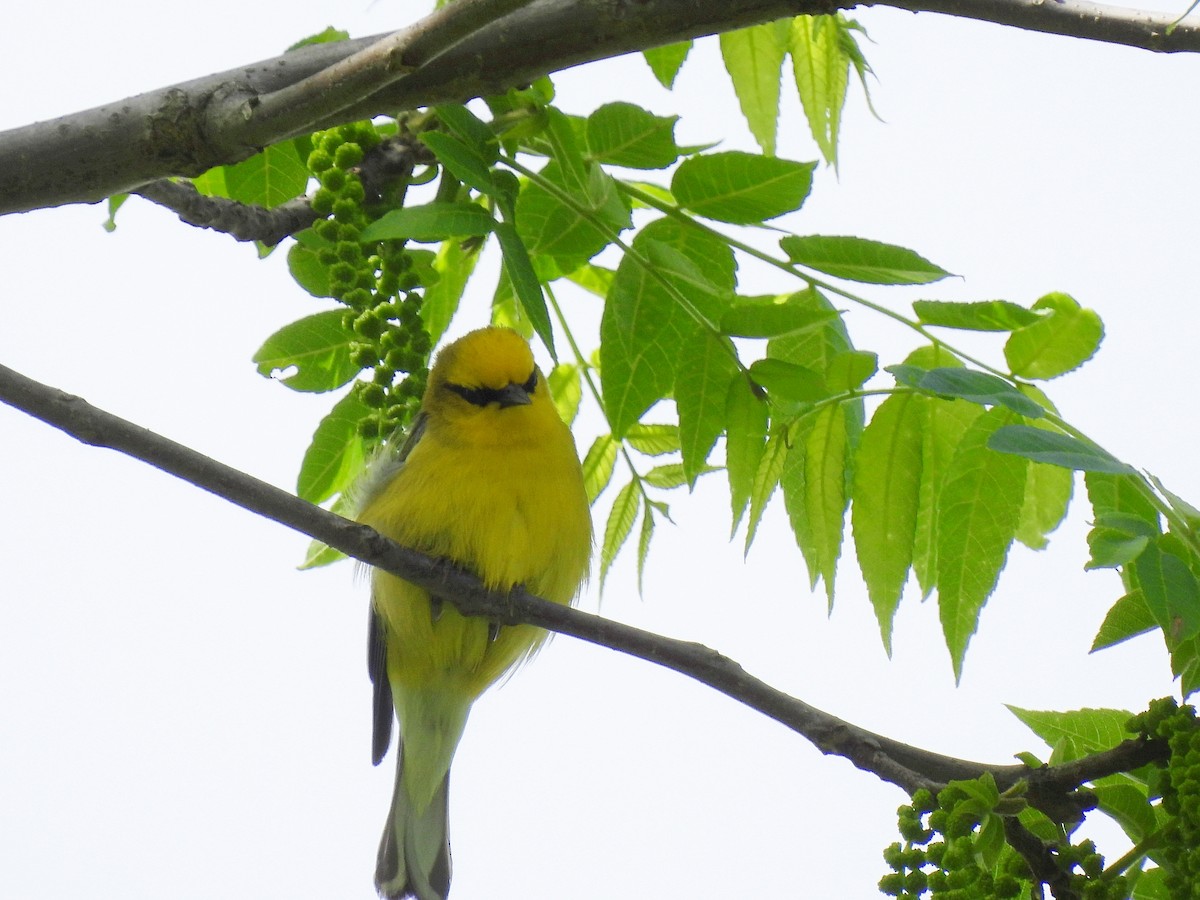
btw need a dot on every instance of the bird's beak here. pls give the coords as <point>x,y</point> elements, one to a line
<point>513,395</point>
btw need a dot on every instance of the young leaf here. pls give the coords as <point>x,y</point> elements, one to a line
<point>1057,449</point>
<point>598,465</point>
<point>741,188</point>
<point>471,130</point>
<point>305,266</point>
<point>816,348</point>
<point>986,315</point>
<point>979,508</point>
<point>754,59</point>
<point>826,463</point>
<point>1122,495</point>
<point>707,252</point>
<point>572,232</point>
<point>1048,492</point>
<point>1128,617</point>
<point>769,317</point>
<point>786,381</point>
<point>1079,732</point>
<point>431,222</point>
<point>666,61</point>
<point>653,439</point>
<point>337,452</point>
<point>1057,343</point>
<point>850,369</point>
<point>1113,547</point>
<point>766,479</point>
<point>887,482</point>
<point>454,266</point>
<point>317,347</point>
<point>793,479</point>
<point>745,438</point>
<point>706,368</point>
<point>462,160</point>
<point>857,259</point>
<point>821,69</point>
<point>525,283</point>
<point>274,176</point>
<point>622,134</point>
<point>967,384</point>
<point>643,327</point>
<point>620,522</point>
<point>644,542</point>
<point>321,554</point>
<point>1171,591</point>
<point>943,424</point>
<point>566,388</point>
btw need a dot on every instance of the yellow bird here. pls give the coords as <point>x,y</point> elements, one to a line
<point>488,477</point>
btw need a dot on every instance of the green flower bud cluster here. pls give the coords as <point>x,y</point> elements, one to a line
<point>950,868</point>
<point>376,281</point>
<point>1179,854</point>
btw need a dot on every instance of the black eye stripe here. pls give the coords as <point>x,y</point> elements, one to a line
<point>482,396</point>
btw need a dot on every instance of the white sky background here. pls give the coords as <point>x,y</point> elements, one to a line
<point>184,715</point>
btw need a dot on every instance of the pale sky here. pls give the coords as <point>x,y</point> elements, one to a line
<point>185,715</point>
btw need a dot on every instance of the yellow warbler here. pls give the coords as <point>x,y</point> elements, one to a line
<point>488,477</point>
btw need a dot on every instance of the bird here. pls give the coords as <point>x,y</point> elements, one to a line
<point>489,478</point>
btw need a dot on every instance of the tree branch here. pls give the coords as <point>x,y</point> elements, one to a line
<point>905,766</point>
<point>219,119</point>
<point>242,221</point>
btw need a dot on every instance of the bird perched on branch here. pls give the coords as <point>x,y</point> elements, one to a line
<point>488,477</point>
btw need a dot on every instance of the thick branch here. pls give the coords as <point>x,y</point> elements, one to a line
<point>908,767</point>
<point>223,118</point>
<point>242,221</point>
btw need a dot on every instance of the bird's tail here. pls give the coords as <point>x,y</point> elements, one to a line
<point>414,854</point>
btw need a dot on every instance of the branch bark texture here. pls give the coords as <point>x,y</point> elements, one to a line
<point>184,129</point>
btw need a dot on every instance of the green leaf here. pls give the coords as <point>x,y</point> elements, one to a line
<point>620,522</point>
<point>622,134</point>
<point>643,327</point>
<point>979,508</point>
<point>986,315</point>
<point>115,202</point>
<point>566,387</point>
<point>571,233</point>
<point>857,259</point>
<point>944,423</point>
<point>305,266</point>
<point>598,465</point>
<point>1151,885</point>
<point>817,348</point>
<point>1170,589</point>
<point>644,542</point>
<point>701,389</point>
<point>269,178</point>
<point>754,59</point>
<point>1057,343</point>
<point>666,61</point>
<point>741,188</point>
<point>431,222</point>
<point>850,369</point>
<point>454,265</point>
<point>707,252</point>
<point>317,347</point>
<point>1048,491</point>
<point>821,68</point>
<point>766,479</point>
<point>1127,618</point>
<point>1056,449</point>
<point>769,317</point>
<point>669,476</point>
<point>463,161</point>
<point>1122,495</point>
<point>528,288</point>
<point>967,384</point>
<point>337,453</point>
<point>594,279</point>
<point>471,130</point>
<point>1076,733</point>
<point>745,440</point>
<point>827,449</point>
<point>887,482</point>
<point>786,381</point>
<point>794,482</point>
<point>1113,547</point>
<point>328,36</point>
<point>653,439</point>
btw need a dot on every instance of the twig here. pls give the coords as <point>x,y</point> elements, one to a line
<point>908,767</point>
<point>243,221</point>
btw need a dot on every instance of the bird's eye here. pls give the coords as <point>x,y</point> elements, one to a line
<point>531,385</point>
<point>474,396</point>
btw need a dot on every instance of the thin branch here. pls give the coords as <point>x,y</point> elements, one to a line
<point>908,767</point>
<point>184,129</point>
<point>242,221</point>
